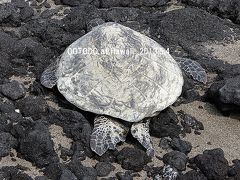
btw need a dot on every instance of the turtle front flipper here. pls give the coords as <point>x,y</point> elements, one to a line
<point>192,68</point>
<point>140,131</point>
<point>48,77</point>
<point>107,132</point>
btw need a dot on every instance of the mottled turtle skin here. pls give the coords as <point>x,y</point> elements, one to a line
<point>129,86</point>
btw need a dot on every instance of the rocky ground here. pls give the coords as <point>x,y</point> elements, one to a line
<point>42,136</point>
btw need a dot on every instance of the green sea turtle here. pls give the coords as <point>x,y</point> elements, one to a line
<point>121,75</point>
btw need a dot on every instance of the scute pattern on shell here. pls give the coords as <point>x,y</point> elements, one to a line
<point>128,86</point>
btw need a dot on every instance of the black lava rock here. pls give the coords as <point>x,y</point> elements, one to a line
<point>35,143</point>
<point>191,95</point>
<point>104,168</point>
<point>5,66</point>
<point>82,172</point>
<point>7,43</point>
<point>213,164</point>
<point>67,175</point>
<point>9,14</point>
<point>79,2</point>
<point>130,3</point>
<point>13,90</point>
<point>187,21</point>
<point>65,153</point>
<point>109,156</point>
<point>190,175</point>
<point>45,30</point>
<point>229,93</point>
<point>165,124</point>
<point>26,13</point>
<point>80,151</point>
<point>41,178</point>
<point>121,14</point>
<point>75,126</point>
<point>165,143</point>
<point>153,171</point>
<point>35,52</point>
<point>176,159</point>
<point>13,173</point>
<point>7,141</point>
<point>181,145</point>
<point>132,159</point>
<point>124,176</point>
<point>6,107</point>
<point>189,122</point>
<point>33,106</point>
<point>225,95</point>
<point>194,26</point>
<point>79,17</point>
<point>54,170</point>
<point>234,170</point>
<point>59,171</point>
<point>8,119</point>
<point>114,3</point>
<point>230,72</point>
<point>225,8</point>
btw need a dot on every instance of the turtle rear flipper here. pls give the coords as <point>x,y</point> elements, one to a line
<point>48,77</point>
<point>140,131</point>
<point>106,134</point>
<point>192,68</point>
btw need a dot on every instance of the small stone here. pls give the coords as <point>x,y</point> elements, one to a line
<point>6,107</point>
<point>82,172</point>
<point>190,175</point>
<point>180,145</point>
<point>225,95</point>
<point>165,143</point>
<point>54,170</point>
<point>35,143</point>
<point>66,152</point>
<point>7,141</point>
<point>13,90</point>
<point>71,2</point>
<point>191,95</point>
<point>104,168</point>
<point>124,176</point>
<point>150,2</point>
<point>48,13</point>
<point>230,93</point>
<point>57,2</point>
<point>132,158</point>
<point>209,143</point>
<point>41,178</point>
<point>165,124</point>
<point>109,156</point>
<point>212,164</point>
<point>122,14</point>
<point>176,159</point>
<point>26,13</point>
<point>47,5</point>
<point>197,132</point>
<point>189,121</point>
<point>162,2</point>
<point>67,175</point>
<point>32,106</point>
<point>12,172</point>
